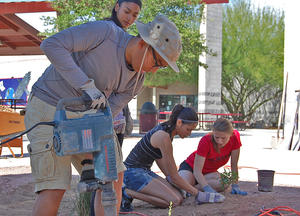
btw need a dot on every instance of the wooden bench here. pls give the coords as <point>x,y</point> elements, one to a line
<point>18,142</point>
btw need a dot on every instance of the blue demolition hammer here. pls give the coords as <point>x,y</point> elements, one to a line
<point>93,133</point>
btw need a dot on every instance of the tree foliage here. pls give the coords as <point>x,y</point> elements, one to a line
<point>185,14</point>
<point>253,47</point>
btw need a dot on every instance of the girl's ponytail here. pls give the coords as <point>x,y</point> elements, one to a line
<point>186,114</point>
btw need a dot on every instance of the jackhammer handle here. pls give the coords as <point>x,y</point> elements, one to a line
<point>74,101</point>
<point>77,101</point>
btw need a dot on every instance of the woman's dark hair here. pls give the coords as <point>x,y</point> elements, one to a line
<point>114,17</point>
<point>221,125</point>
<point>187,114</point>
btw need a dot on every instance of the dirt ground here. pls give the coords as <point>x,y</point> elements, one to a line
<point>17,197</point>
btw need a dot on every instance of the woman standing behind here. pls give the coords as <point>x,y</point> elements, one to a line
<point>214,151</point>
<point>124,14</point>
<point>142,183</point>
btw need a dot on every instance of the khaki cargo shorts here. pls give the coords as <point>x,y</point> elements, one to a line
<point>49,170</point>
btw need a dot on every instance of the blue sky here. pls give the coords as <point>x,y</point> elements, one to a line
<point>34,19</point>
<point>277,4</point>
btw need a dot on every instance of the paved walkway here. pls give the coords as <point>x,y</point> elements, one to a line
<point>256,153</point>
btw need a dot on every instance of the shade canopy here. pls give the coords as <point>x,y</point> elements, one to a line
<point>17,37</point>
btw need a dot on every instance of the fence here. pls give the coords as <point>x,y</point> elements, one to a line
<point>207,124</point>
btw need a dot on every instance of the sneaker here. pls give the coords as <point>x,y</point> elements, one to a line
<point>126,202</point>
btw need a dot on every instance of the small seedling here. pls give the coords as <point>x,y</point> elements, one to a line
<point>82,203</point>
<point>170,208</point>
<point>227,178</point>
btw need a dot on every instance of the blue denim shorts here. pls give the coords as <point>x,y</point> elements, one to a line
<point>137,178</point>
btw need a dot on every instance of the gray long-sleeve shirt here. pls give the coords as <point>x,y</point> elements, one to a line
<point>94,50</point>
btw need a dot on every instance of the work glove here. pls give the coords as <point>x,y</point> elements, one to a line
<point>206,197</point>
<point>235,189</point>
<point>96,96</point>
<point>209,189</point>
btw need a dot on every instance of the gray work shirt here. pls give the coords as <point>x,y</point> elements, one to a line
<point>95,50</point>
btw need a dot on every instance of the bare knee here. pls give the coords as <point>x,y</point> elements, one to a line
<point>214,180</point>
<point>176,201</point>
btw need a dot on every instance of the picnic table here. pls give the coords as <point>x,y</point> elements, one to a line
<point>206,120</point>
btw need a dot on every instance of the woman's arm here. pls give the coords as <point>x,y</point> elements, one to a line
<point>161,140</point>
<point>198,167</point>
<point>235,189</point>
<point>234,163</point>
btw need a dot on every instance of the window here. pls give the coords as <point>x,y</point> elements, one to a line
<point>167,102</point>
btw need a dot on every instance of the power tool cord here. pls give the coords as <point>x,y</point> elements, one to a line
<point>21,134</point>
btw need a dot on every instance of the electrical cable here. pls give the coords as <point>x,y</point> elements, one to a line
<point>21,134</point>
<point>275,210</point>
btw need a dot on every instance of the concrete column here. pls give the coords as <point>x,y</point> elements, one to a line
<point>209,84</point>
<point>133,108</point>
<point>154,101</point>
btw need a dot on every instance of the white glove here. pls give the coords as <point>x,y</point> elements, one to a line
<point>98,99</point>
<point>207,197</point>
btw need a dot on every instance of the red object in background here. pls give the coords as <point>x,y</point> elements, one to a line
<point>25,7</point>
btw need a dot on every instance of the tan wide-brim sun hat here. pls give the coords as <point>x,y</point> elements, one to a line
<point>163,36</point>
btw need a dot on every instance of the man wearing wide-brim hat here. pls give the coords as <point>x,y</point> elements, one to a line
<point>99,60</point>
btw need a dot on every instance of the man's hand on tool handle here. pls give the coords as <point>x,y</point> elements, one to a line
<point>98,99</point>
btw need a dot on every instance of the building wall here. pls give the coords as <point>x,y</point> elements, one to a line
<point>174,89</point>
<point>144,96</point>
<point>177,89</point>
<point>291,66</point>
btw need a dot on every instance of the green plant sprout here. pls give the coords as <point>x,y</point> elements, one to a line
<point>228,177</point>
<point>170,208</point>
<point>82,203</point>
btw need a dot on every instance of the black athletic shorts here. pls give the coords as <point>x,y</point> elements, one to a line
<point>185,166</point>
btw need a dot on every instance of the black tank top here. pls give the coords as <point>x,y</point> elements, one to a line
<point>144,154</point>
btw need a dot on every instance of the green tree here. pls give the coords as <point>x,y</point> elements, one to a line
<point>185,14</point>
<point>253,47</point>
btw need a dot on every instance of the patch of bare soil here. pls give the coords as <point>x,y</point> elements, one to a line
<point>17,198</point>
<point>17,193</point>
<point>234,205</point>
